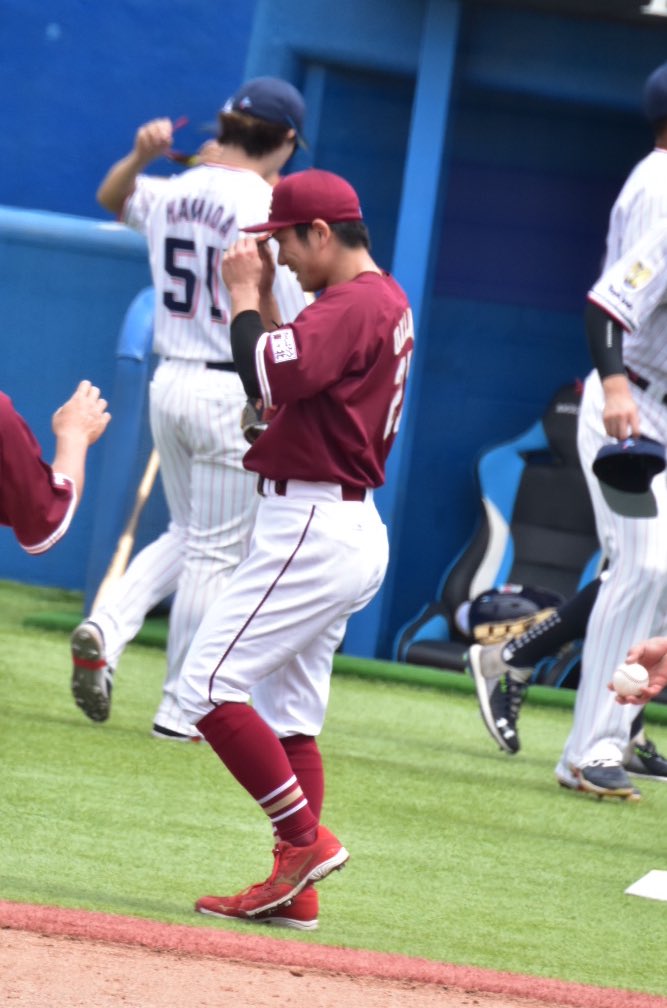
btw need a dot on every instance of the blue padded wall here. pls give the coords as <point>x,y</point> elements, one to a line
<point>67,284</point>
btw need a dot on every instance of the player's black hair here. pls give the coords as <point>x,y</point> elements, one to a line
<point>351,234</point>
<point>256,137</point>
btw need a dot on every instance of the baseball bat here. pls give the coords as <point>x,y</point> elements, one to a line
<point>125,543</point>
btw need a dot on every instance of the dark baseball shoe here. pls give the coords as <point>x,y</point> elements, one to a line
<point>92,678</point>
<point>606,778</point>
<point>575,785</point>
<point>499,695</point>
<point>300,913</point>
<point>647,762</point>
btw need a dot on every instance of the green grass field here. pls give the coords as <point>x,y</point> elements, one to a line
<point>459,853</point>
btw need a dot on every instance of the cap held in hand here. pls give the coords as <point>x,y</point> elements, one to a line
<point>630,465</point>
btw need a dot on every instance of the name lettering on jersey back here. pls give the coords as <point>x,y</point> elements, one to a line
<point>403,331</point>
<point>283,347</point>
<point>200,211</point>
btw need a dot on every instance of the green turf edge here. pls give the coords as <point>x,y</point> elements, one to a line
<point>418,675</point>
<point>154,633</point>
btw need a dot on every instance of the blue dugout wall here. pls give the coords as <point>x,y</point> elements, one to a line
<point>79,77</point>
<point>67,283</point>
<point>487,143</point>
<point>514,128</point>
<point>535,152</point>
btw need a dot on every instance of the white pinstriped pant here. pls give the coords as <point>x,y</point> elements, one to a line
<point>632,601</point>
<point>195,420</point>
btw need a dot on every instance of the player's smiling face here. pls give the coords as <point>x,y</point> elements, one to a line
<point>302,257</point>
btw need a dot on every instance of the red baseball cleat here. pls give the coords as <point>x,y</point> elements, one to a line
<point>293,868</point>
<point>299,913</point>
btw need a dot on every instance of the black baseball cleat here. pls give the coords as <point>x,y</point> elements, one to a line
<point>92,678</point>
<point>499,695</point>
<point>646,761</point>
<point>576,785</point>
<point>605,778</point>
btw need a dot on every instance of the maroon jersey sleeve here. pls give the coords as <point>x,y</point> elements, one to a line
<point>337,377</point>
<point>34,501</point>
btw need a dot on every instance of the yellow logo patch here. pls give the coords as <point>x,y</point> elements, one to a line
<point>637,276</point>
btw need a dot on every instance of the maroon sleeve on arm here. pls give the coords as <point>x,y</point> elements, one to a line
<point>34,501</point>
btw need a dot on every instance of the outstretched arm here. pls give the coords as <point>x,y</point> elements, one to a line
<point>77,424</point>
<point>152,140</point>
<point>38,500</point>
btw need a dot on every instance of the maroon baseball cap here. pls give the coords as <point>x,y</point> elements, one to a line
<point>310,194</point>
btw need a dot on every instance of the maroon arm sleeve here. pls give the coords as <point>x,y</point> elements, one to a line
<point>34,501</point>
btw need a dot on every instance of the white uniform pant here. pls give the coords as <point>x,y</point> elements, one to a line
<point>277,622</point>
<point>195,421</point>
<point>632,601</point>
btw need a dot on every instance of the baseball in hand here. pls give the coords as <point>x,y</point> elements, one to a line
<point>629,679</point>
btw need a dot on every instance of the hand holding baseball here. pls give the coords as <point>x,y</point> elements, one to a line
<point>629,679</point>
<point>651,656</point>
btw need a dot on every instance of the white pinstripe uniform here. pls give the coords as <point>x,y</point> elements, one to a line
<point>632,601</point>
<point>195,409</point>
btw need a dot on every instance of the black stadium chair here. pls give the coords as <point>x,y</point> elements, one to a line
<point>537,529</point>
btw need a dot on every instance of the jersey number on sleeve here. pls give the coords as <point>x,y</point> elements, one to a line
<point>183,301</point>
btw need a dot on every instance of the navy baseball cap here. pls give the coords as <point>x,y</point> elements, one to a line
<point>272,99</point>
<point>655,94</point>
<point>302,197</point>
<point>630,465</point>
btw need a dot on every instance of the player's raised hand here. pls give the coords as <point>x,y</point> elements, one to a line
<point>652,654</point>
<point>242,273</point>
<point>154,139</point>
<point>242,265</point>
<point>268,265</point>
<point>84,416</point>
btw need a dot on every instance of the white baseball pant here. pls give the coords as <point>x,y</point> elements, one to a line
<point>631,603</point>
<point>274,628</point>
<point>195,420</point>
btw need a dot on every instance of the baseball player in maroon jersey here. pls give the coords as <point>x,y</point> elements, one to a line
<point>335,378</point>
<point>196,397</point>
<point>38,500</point>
